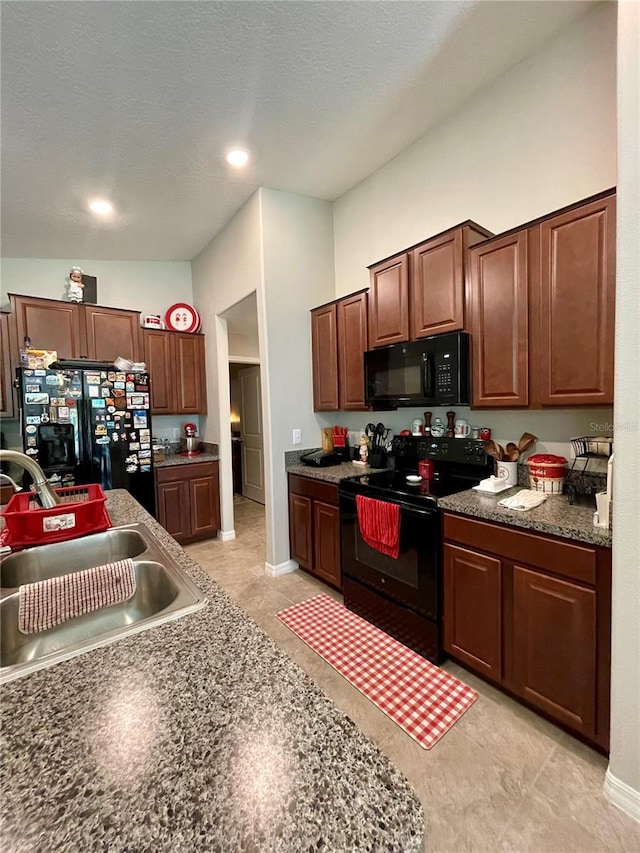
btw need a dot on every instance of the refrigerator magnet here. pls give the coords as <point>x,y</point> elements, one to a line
<point>109,401</point>
<point>145,434</point>
<point>71,402</point>
<point>31,441</point>
<point>144,469</point>
<point>33,419</point>
<point>104,439</point>
<point>63,411</point>
<point>133,436</point>
<point>44,418</point>
<point>98,404</point>
<point>31,429</point>
<point>101,429</point>
<point>131,459</point>
<point>27,372</point>
<point>120,403</point>
<point>131,469</point>
<point>75,392</point>
<point>111,409</point>
<point>145,454</point>
<point>115,436</point>
<point>32,389</point>
<point>39,372</point>
<point>121,377</point>
<point>54,380</point>
<point>36,399</point>
<point>93,378</point>
<point>32,451</point>
<point>105,392</point>
<point>111,376</point>
<point>120,386</point>
<point>139,420</point>
<point>145,445</point>
<point>93,391</point>
<point>134,445</point>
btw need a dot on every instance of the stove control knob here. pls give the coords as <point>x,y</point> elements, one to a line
<point>434,448</point>
<point>468,449</point>
<point>479,451</point>
<point>444,448</point>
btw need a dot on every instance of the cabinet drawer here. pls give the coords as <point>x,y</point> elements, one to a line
<point>188,471</point>
<point>317,489</point>
<point>577,562</point>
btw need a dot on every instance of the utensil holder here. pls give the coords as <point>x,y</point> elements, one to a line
<point>378,460</point>
<point>507,472</point>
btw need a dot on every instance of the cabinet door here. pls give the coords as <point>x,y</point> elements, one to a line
<point>190,385</point>
<point>389,302</point>
<point>499,322</point>
<point>205,506</point>
<point>554,647</point>
<point>300,530</point>
<point>6,393</point>
<point>352,344</point>
<point>473,609</point>
<point>326,536</point>
<point>324,354</point>
<point>160,359</point>
<point>573,307</point>
<point>112,333</point>
<point>437,285</point>
<point>173,509</point>
<point>51,324</point>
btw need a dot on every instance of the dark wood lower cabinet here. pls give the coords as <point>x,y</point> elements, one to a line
<point>314,528</point>
<point>326,528</point>
<point>300,530</point>
<point>473,610</point>
<point>532,613</point>
<point>554,647</point>
<point>188,500</point>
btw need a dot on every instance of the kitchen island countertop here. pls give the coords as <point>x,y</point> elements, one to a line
<point>199,734</point>
<point>556,516</point>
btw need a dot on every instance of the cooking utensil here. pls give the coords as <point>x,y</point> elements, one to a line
<point>512,452</point>
<point>526,440</point>
<point>491,448</point>
<point>501,453</point>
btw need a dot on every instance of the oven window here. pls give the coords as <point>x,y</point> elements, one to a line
<point>404,569</point>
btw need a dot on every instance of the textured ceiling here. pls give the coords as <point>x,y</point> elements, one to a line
<point>138,102</point>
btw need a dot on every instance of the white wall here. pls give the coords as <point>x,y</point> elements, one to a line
<point>623,777</point>
<point>227,270</point>
<point>243,346</point>
<point>542,136</point>
<point>147,286</point>
<point>298,274</point>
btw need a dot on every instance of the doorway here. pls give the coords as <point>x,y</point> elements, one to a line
<point>246,430</point>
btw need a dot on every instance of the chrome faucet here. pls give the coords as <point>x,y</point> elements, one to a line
<point>43,488</point>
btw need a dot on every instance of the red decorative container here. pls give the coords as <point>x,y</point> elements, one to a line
<point>546,473</point>
<point>81,512</point>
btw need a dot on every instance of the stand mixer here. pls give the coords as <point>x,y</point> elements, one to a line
<point>190,440</point>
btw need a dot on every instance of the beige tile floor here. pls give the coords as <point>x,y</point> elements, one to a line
<point>502,779</point>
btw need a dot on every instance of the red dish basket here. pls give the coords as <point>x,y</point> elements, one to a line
<point>82,511</point>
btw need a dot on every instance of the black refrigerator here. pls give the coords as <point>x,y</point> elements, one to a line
<point>90,426</point>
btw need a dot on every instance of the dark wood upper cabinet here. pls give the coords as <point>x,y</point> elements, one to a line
<point>389,301</point>
<point>573,303</point>
<point>438,281</point>
<point>473,607</point>
<point>112,333</point>
<point>190,374</point>
<point>498,304</point>
<point>50,324</point>
<point>6,393</point>
<point>352,344</point>
<point>554,647</point>
<point>324,344</point>
<point>159,355</point>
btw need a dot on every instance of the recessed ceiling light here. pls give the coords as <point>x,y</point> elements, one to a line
<point>237,157</point>
<point>101,207</point>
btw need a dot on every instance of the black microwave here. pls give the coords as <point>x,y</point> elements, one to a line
<point>434,371</point>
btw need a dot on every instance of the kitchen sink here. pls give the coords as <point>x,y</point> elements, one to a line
<point>163,593</point>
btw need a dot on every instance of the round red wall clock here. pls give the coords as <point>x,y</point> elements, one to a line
<point>182,317</point>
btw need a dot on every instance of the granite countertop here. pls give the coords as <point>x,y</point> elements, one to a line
<point>555,516</point>
<point>199,734</point>
<point>177,459</point>
<point>332,473</point>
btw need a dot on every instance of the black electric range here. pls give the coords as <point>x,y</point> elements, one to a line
<point>403,595</point>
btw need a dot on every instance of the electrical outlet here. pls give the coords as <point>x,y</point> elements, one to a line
<point>176,432</point>
<point>297,436</point>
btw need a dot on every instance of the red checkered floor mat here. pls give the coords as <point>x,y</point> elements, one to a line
<point>421,698</point>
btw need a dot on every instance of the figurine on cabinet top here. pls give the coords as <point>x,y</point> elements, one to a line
<point>75,291</point>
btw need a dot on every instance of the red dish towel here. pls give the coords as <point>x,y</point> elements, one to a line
<point>379,524</point>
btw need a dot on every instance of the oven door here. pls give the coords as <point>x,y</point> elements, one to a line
<point>412,579</point>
